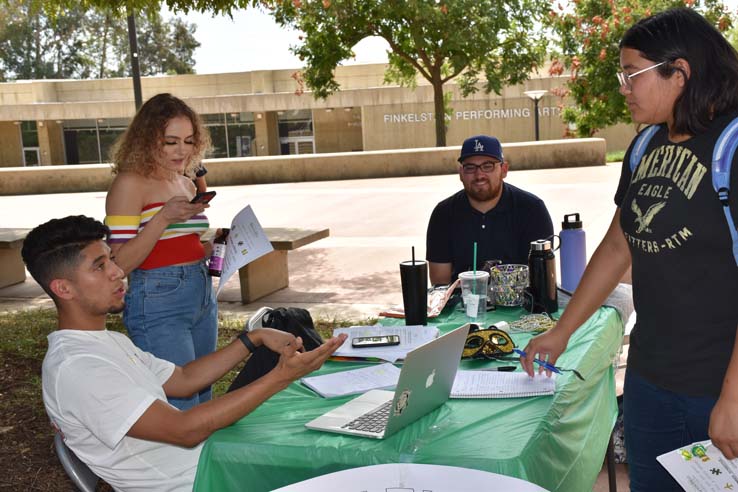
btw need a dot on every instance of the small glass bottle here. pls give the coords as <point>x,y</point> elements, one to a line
<point>215,265</point>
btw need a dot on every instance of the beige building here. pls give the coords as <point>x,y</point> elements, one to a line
<point>50,122</point>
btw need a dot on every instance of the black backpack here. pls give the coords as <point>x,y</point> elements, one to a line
<point>292,320</point>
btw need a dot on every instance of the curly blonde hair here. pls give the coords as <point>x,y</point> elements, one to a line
<point>140,146</point>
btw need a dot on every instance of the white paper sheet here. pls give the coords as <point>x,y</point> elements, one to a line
<point>246,242</point>
<point>701,467</point>
<point>355,381</point>
<point>411,337</point>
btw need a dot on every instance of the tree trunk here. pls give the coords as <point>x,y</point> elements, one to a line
<point>103,55</point>
<point>439,110</point>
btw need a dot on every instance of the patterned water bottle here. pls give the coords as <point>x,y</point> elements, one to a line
<point>573,252</point>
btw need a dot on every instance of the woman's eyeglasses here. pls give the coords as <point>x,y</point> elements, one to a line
<point>624,78</point>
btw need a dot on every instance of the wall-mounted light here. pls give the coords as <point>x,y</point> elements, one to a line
<point>328,110</point>
<point>59,122</point>
<point>100,120</point>
<point>234,115</point>
<point>280,113</point>
<point>16,123</point>
<point>259,116</point>
<point>348,109</point>
<point>40,123</point>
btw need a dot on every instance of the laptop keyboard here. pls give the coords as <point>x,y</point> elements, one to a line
<point>374,421</point>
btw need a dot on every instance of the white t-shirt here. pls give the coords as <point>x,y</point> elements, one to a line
<point>96,385</point>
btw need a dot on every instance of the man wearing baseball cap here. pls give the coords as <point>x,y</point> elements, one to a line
<point>500,218</point>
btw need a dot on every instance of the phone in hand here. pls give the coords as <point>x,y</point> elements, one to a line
<point>378,341</point>
<point>203,197</point>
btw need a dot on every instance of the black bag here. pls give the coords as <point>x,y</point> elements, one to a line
<point>292,320</point>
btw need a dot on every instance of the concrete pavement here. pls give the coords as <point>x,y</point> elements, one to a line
<point>373,223</point>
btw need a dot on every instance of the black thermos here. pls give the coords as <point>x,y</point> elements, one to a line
<point>541,292</point>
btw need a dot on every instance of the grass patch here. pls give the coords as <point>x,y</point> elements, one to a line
<point>615,156</point>
<point>23,338</point>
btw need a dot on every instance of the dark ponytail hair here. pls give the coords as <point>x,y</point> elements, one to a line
<point>711,89</point>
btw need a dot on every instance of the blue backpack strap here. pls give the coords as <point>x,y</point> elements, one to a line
<point>640,145</point>
<point>722,158</point>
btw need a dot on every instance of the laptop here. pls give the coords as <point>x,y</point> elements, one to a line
<point>425,383</point>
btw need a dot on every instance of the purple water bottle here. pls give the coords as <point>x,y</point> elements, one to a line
<point>573,252</point>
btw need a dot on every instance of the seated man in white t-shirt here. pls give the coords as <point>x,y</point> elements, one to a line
<point>107,397</point>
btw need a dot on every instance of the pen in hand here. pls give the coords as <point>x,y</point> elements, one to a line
<point>543,363</point>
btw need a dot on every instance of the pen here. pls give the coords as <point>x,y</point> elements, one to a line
<point>499,368</point>
<point>543,363</point>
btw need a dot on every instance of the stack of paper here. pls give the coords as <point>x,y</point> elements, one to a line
<point>355,381</point>
<point>411,337</point>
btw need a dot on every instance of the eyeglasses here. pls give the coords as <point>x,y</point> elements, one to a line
<point>624,78</point>
<point>486,167</point>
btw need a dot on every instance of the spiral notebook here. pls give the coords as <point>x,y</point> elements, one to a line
<point>496,384</point>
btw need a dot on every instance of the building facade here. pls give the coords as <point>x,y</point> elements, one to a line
<point>260,113</point>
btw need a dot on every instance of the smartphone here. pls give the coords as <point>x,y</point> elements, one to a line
<point>203,197</point>
<point>378,341</point>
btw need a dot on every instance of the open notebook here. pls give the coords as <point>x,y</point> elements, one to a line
<point>495,384</point>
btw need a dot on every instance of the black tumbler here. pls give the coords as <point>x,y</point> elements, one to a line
<point>541,293</point>
<point>414,276</point>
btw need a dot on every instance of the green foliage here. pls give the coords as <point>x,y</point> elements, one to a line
<point>589,32</point>
<point>487,42</point>
<point>80,42</point>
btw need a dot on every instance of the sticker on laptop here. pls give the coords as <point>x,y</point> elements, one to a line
<point>402,402</point>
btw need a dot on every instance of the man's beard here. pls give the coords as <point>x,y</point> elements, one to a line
<point>486,194</point>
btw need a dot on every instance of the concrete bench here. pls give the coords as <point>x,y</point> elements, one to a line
<point>259,278</point>
<point>12,269</point>
<point>270,273</point>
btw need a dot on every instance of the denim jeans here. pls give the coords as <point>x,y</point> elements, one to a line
<point>172,313</point>
<point>658,421</point>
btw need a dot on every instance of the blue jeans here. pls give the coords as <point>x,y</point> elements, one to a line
<point>172,313</point>
<point>657,421</point>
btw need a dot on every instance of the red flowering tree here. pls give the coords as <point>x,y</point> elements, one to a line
<point>589,32</point>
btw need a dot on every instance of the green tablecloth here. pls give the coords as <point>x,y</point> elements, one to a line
<point>557,442</point>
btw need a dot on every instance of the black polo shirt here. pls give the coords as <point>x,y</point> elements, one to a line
<point>503,233</point>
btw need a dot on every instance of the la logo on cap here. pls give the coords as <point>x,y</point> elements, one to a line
<point>478,147</point>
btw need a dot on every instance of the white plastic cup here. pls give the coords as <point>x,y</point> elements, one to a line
<point>474,292</point>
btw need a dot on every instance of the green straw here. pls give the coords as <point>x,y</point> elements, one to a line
<point>474,263</point>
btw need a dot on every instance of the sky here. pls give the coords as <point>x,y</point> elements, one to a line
<point>253,41</point>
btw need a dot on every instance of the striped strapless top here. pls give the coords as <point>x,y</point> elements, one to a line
<point>180,242</point>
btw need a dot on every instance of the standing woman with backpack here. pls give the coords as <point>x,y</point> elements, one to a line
<point>680,74</point>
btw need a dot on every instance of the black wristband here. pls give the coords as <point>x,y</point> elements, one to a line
<point>246,341</point>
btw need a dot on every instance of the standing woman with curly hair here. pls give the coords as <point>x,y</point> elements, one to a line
<point>170,309</point>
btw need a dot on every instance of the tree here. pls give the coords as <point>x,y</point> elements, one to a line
<point>82,42</point>
<point>474,40</point>
<point>589,33</point>
<point>35,46</point>
<point>163,47</point>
